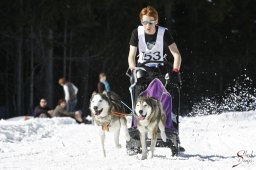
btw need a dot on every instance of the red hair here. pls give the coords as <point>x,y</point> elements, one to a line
<point>149,11</point>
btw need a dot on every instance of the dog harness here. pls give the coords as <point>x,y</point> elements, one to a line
<point>154,54</point>
<point>105,125</point>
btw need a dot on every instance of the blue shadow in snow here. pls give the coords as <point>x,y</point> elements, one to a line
<point>203,157</point>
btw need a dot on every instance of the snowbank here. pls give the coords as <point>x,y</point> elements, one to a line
<point>211,142</point>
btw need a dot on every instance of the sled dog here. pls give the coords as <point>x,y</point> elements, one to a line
<point>108,116</point>
<point>149,117</point>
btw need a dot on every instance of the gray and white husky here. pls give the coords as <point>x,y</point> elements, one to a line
<point>103,111</point>
<point>149,117</point>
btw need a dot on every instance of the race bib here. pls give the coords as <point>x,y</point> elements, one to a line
<point>153,54</point>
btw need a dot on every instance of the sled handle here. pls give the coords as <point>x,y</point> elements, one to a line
<point>134,74</point>
<point>158,62</point>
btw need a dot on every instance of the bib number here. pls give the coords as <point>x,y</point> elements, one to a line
<point>155,56</point>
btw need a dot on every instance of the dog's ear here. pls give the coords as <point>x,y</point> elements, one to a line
<point>148,95</point>
<point>93,94</point>
<point>149,100</point>
<point>140,98</point>
<point>155,110</point>
<point>104,96</point>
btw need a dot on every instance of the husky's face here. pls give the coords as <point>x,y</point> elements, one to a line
<point>99,105</point>
<point>143,109</point>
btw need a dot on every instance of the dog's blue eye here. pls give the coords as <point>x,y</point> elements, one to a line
<point>145,105</point>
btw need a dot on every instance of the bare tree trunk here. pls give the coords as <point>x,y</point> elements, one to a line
<point>31,98</point>
<point>65,49</point>
<point>49,69</point>
<point>19,71</point>
<point>7,88</point>
<point>41,42</point>
<point>19,75</point>
<point>168,13</point>
<point>70,56</point>
<point>220,75</point>
<point>86,85</point>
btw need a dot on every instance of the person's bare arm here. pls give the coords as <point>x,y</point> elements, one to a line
<point>65,87</point>
<point>176,55</point>
<point>131,57</point>
<point>75,88</point>
<point>50,113</point>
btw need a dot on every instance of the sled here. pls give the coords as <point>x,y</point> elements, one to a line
<point>171,106</point>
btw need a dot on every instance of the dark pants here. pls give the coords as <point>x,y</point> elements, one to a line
<point>143,83</point>
<point>71,105</point>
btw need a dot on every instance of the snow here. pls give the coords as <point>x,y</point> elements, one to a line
<point>211,142</point>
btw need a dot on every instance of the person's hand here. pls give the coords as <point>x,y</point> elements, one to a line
<point>77,112</point>
<point>175,78</point>
<point>50,112</point>
<point>132,68</point>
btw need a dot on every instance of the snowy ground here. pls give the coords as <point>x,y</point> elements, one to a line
<point>211,142</point>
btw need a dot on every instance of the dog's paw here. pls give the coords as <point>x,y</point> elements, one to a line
<point>128,138</point>
<point>163,136</point>
<point>104,154</point>
<point>150,135</point>
<point>118,146</point>
<point>142,157</point>
<point>150,155</point>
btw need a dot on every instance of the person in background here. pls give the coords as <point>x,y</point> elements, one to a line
<point>42,110</point>
<point>101,87</point>
<point>70,91</point>
<point>60,111</point>
<point>103,79</point>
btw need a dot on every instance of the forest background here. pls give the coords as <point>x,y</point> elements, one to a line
<point>43,40</point>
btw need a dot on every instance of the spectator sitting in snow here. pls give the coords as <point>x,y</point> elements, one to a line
<point>42,110</point>
<point>60,111</point>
